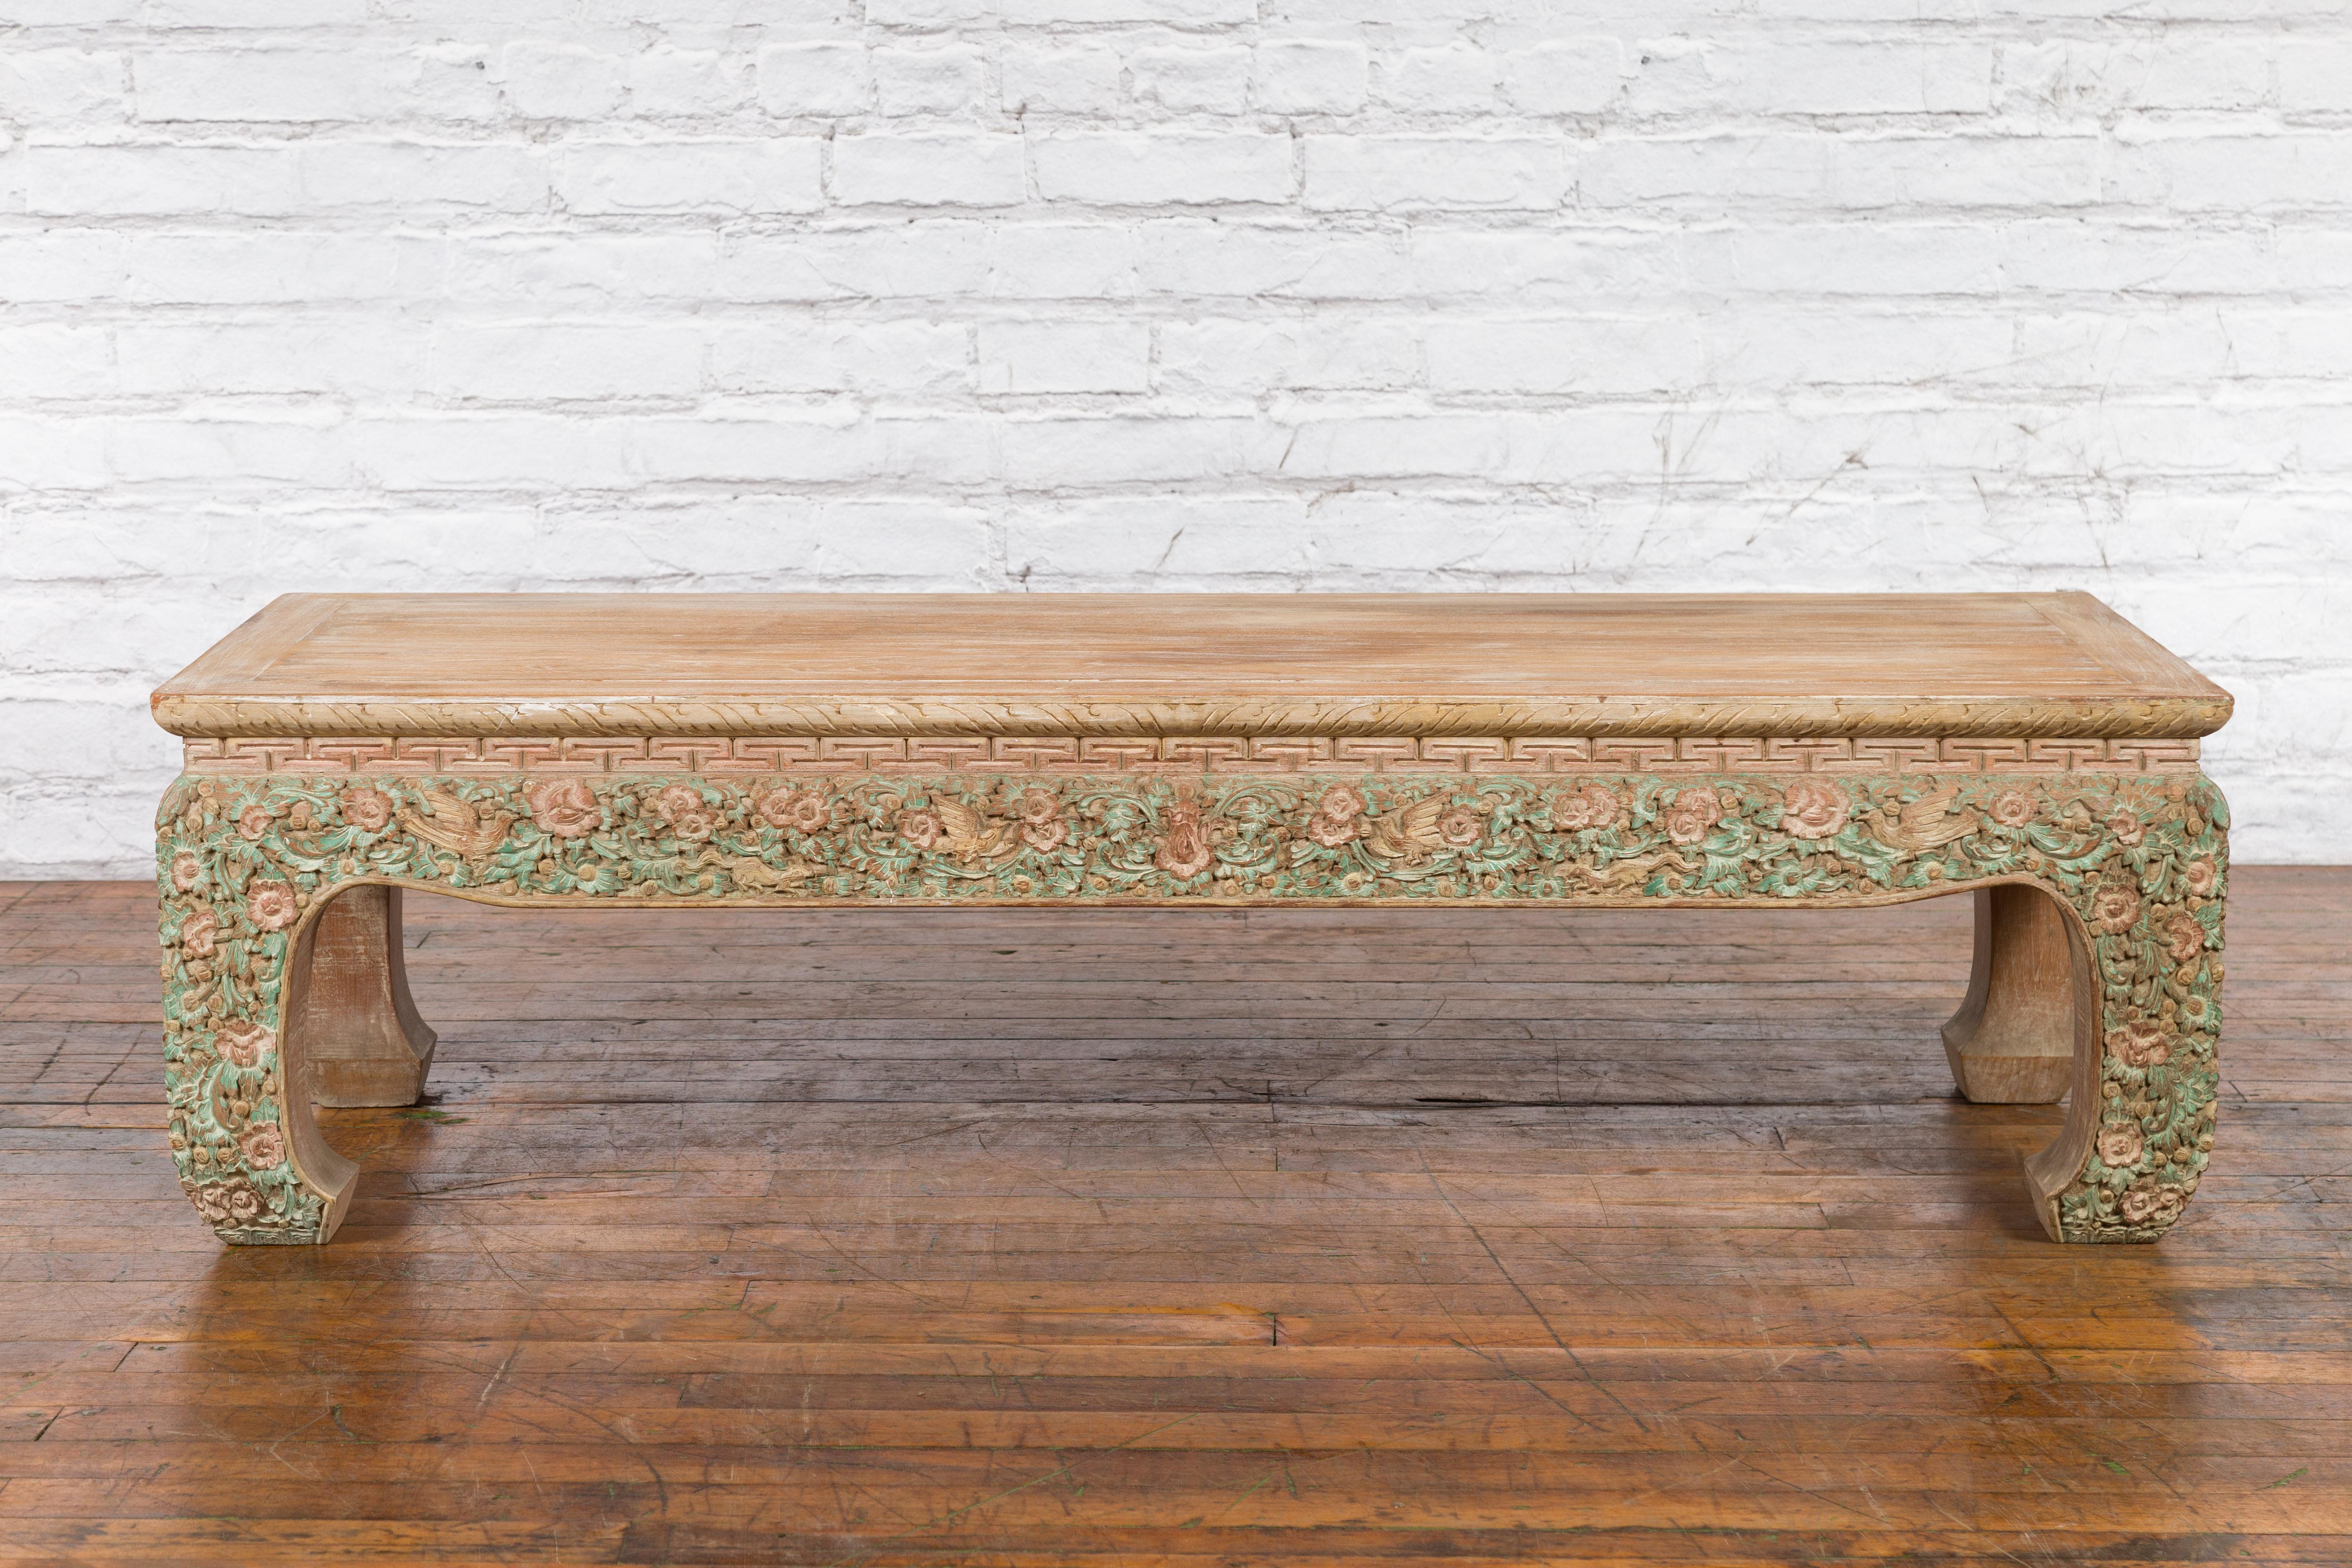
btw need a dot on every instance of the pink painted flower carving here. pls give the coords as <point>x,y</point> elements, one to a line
<point>2120,1145</point>
<point>199,934</point>
<point>1329,832</point>
<point>564,808</point>
<point>1039,813</point>
<point>1812,808</point>
<point>1692,813</point>
<point>1594,806</point>
<point>1340,804</point>
<point>185,870</point>
<point>270,906</point>
<point>919,829</point>
<point>369,810</point>
<point>678,800</point>
<point>2201,878</point>
<point>1335,821</point>
<point>800,810</point>
<point>224,1202</point>
<point>2139,1045</point>
<point>265,1150</point>
<point>1184,843</point>
<point>253,821</point>
<point>2148,1200</point>
<point>2184,937</point>
<point>2114,908</point>
<point>2125,828</point>
<point>2011,808</point>
<point>1461,826</point>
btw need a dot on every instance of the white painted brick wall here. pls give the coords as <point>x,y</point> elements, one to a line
<point>1263,294</point>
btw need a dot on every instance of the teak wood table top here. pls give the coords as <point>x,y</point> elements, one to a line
<point>1613,664</point>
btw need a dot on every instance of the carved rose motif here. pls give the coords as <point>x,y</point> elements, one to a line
<point>264,1148</point>
<point>1340,804</point>
<point>2147,1201</point>
<point>186,870</point>
<point>198,933</point>
<point>2140,1044</point>
<point>2011,808</point>
<point>243,1043</point>
<point>253,821</point>
<point>1184,848</point>
<point>800,810</point>
<point>1594,806</point>
<point>919,829</point>
<point>270,906</point>
<point>2120,1145</point>
<point>223,1201</point>
<point>2201,878</point>
<point>2114,908</point>
<point>1334,822</point>
<point>369,810</point>
<point>1330,832</point>
<point>1691,815</point>
<point>682,807</point>
<point>2125,828</point>
<point>1040,815</point>
<point>564,808</point>
<point>2184,938</point>
<point>1812,808</point>
<point>1461,828</point>
<point>678,800</point>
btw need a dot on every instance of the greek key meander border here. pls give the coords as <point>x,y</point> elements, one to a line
<point>2140,860</point>
<point>488,756</point>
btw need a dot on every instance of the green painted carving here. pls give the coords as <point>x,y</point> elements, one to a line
<point>2140,860</point>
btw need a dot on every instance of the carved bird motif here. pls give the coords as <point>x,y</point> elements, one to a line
<point>969,835</point>
<point>1409,835</point>
<point>1927,823</point>
<point>458,824</point>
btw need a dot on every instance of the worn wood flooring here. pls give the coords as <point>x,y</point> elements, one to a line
<point>1183,1237</point>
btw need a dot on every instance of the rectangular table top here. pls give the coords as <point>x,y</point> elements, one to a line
<point>1426,664</point>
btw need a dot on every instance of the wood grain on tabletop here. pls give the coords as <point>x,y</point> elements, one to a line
<point>1138,1236</point>
<point>1975,664</point>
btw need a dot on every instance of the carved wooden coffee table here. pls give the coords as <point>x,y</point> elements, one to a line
<point>645,752</point>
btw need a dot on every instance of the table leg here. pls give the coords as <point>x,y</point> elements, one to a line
<point>2013,1040</point>
<point>364,1041</point>
<point>238,1076</point>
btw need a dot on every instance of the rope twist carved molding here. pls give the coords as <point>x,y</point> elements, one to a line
<point>489,755</point>
<point>2140,859</point>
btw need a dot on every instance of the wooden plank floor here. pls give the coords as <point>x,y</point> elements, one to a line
<point>1193,1238</point>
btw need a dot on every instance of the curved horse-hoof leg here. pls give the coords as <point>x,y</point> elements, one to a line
<point>2013,1040</point>
<point>365,1041</point>
<point>238,1069</point>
